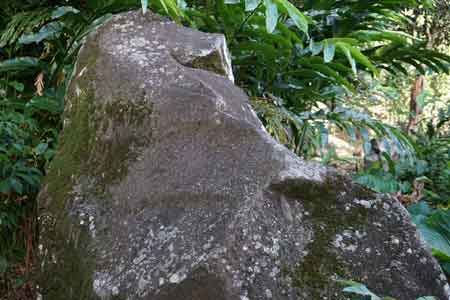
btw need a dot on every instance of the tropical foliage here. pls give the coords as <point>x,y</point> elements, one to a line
<point>359,291</point>
<point>434,226</point>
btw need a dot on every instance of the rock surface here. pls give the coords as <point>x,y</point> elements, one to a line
<point>167,187</point>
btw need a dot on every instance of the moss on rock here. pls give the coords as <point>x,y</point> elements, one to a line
<point>316,273</point>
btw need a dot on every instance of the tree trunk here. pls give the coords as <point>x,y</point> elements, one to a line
<point>414,108</point>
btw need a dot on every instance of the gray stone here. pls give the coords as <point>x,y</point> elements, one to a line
<point>166,186</point>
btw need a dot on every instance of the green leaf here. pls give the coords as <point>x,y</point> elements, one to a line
<point>346,50</point>
<point>362,59</point>
<point>353,54</point>
<point>45,104</point>
<point>421,98</point>
<point>251,4</point>
<point>5,187</point>
<point>182,4</point>
<point>144,4</point>
<point>3,265</point>
<point>31,180</point>
<point>360,289</point>
<point>323,136</point>
<point>324,69</point>
<point>17,85</point>
<point>63,10</point>
<point>16,185</point>
<point>47,32</point>
<point>374,35</point>
<point>315,48</point>
<point>299,19</point>
<point>19,64</point>
<point>345,40</point>
<point>14,84</point>
<point>18,282</point>
<point>41,148</point>
<point>378,182</point>
<point>421,208</point>
<point>434,228</point>
<point>271,15</point>
<point>445,266</point>
<point>95,24</point>
<point>172,9</point>
<point>328,51</point>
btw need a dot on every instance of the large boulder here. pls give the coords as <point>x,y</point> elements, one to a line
<point>167,187</point>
